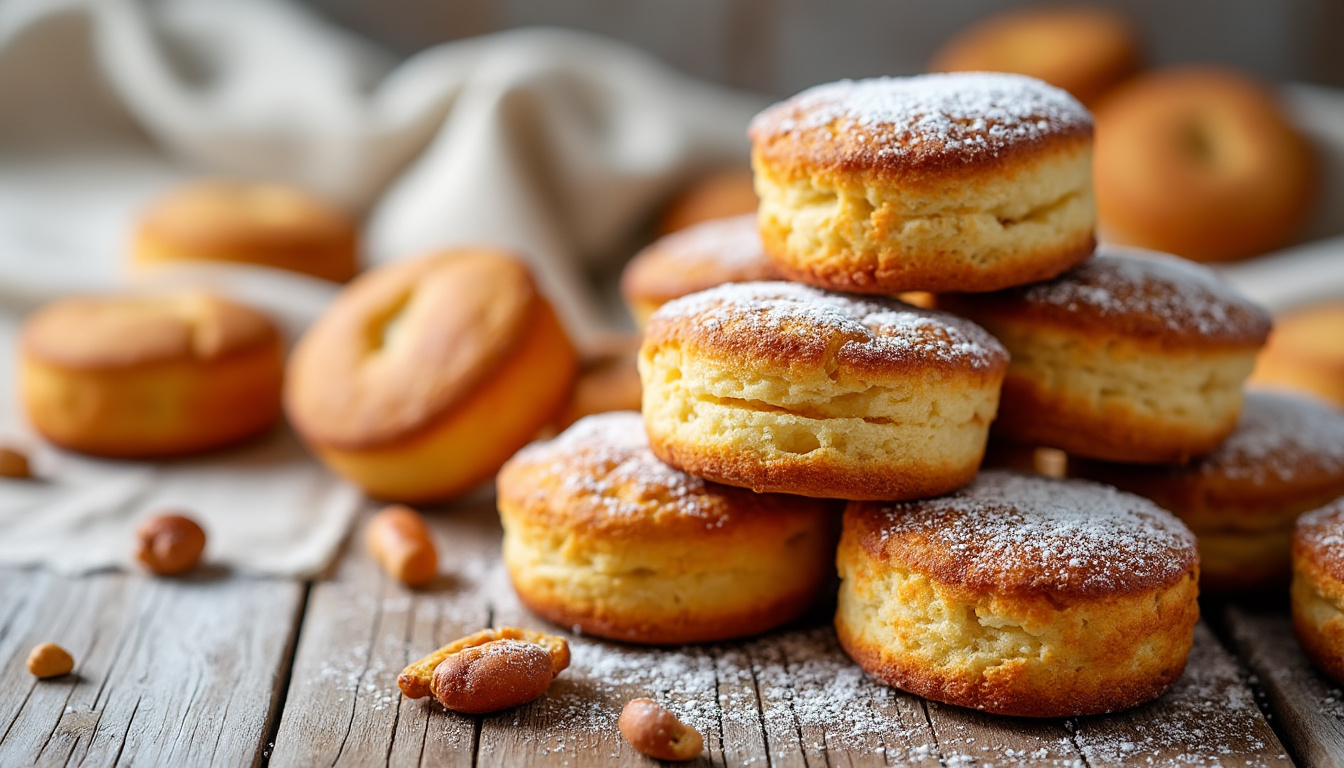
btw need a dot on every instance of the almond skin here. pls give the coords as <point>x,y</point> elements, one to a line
<point>170,544</point>
<point>494,676</point>
<point>655,732</point>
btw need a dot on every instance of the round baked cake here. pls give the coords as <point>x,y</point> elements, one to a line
<point>786,388</point>
<point>601,535</point>
<point>1020,595</point>
<point>1132,357</point>
<point>951,182</point>
<point>1285,457</point>
<point>702,256</point>
<point>1318,587</point>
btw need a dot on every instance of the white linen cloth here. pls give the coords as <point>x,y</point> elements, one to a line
<point>554,143</point>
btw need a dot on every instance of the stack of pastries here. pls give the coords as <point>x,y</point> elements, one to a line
<point>796,413</point>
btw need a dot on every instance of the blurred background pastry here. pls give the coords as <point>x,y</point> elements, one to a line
<point>270,225</point>
<point>1201,162</point>
<point>1305,351</point>
<point>1086,50</point>
<point>144,376</point>
<point>716,196</point>
<point>424,376</point>
<point>608,380</point>
<point>704,255</point>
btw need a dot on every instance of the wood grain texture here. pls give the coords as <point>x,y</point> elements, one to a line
<point>167,671</point>
<point>1308,706</point>
<point>790,698</point>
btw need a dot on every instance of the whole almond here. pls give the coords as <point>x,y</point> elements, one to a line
<point>14,465</point>
<point>494,676</point>
<point>170,544</point>
<point>655,732</point>
<point>401,542</point>
<point>50,660</point>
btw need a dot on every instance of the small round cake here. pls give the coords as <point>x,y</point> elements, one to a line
<point>1130,357</point>
<point>266,224</point>
<point>1285,457</point>
<point>786,388</point>
<point>149,376</point>
<point>601,535</point>
<point>1084,50</point>
<point>1201,162</point>
<point>1318,587</point>
<point>424,376</point>
<point>1306,352</point>
<point>953,182</point>
<point>696,258</point>
<point>716,196</point>
<point>1020,595</point>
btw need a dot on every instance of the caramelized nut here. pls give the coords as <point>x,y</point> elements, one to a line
<point>170,544</point>
<point>491,677</point>
<point>401,543</point>
<point>416,680</point>
<point>50,660</point>
<point>14,464</point>
<point>655,732</point>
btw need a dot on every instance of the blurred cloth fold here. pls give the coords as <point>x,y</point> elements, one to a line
<point>556,144</point>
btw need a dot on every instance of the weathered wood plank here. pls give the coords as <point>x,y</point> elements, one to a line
<point>168,671</point>
<point>1308,706</point>
<point>1209,717</point>
<point>361,629</point>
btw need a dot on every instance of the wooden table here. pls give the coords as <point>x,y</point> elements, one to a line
<point>223,670</point>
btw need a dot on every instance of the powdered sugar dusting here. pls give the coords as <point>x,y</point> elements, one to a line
<point>1279,435</point>
<point>731,244</point>
<point>757,316</point>
<point>1322,532</point>
<point>965,114</point>
<point>1171,293</point>
<point>1025,532</point>
<point>606,460</point>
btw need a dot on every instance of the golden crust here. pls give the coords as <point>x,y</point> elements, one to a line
<point>1318,587</point>
<point>1285,457</point>
<point>602,535</point>
<point>403,345</point>
<point>786,329</point>
<point>1019,595</point>
<point>1085,51</point>
<point>693,259</point>
<point>266,224</point>
<point>1202,162</point>
<point>1145,297</point>
<point>93,333</point>
<point>1008,533</point>
<point>145,376</point>
<point>911,129</point>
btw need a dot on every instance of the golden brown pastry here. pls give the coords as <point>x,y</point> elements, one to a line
<point>1020,595</point>
<point>249,222</point>
<point>146,376</point>
<point>786,388</point>
<point>1130,357</point>
<point>1306,352</point>
<point>701,256</point>
<point>1318,587</point>
<point>1085,50</point>
<point>608,381</point>
<point>953,182</point>
<point>424,376</point>
<point>1285,457</point>
<point>602,536</point>
<point>719,195</point>
<point>1200,162</point>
